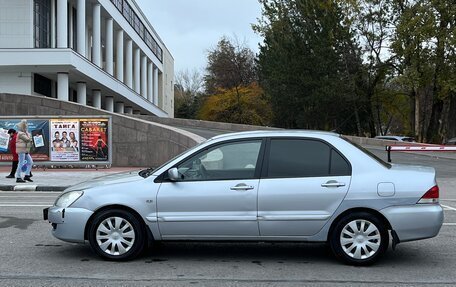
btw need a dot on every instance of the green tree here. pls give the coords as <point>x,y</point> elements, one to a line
<point>229,65</point>
<point>424,44</point>
<point>310,66</point>
<point>231,68</point>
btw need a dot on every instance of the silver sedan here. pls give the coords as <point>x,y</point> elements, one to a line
<point>258,186</point>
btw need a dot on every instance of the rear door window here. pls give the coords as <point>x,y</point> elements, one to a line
<point>304,158</point>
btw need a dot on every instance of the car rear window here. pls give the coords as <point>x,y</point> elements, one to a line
<point>370,154</point>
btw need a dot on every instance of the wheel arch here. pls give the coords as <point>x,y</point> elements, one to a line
<point>374,212</point>
<point>122,207</point>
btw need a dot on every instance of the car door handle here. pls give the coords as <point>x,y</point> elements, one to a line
<point>332,183</point>
<point>242,186</point>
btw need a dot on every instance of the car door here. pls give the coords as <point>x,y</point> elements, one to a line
<point>302,184</point>
<point>216,196</point>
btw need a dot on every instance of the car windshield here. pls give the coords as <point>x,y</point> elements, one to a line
<point>149,171</point>
<point>370,154</point>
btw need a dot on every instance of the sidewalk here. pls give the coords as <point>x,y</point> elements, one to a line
<point>55,179</point>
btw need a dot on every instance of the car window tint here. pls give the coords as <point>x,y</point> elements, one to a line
<point>339,166</point>
<point>236,160</point>
<point>298,158</point>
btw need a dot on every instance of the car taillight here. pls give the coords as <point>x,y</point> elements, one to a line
<point>431,196</point>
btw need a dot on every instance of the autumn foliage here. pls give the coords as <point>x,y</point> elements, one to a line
<point>243,105</point>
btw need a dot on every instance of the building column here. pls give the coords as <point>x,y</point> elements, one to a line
<point>129,110</point>
<point>82,93</point>
<point>96,27</point>
<point>144,76</point>
<point>150,71</point>
<point>129,64</point>
<point>156,86</point>
<point>62,86</point>
<point>120,55</point>
<point>120,107</point>
<point>81,27</point>
<point>62,24</point>
<point>136,112</point>
<point>136,70</point>
<point>109,103</point>
<point>96,99</point>
<point>109,46</point>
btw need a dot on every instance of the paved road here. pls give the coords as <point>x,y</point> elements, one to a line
<point>30,256</point>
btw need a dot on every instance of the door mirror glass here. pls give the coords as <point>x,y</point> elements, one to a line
<point>173,174</point>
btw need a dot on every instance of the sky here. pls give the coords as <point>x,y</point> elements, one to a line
<point>189,28</point>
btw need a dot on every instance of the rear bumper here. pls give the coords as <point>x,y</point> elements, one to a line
<point>68,223</point>
<point>414,222</point>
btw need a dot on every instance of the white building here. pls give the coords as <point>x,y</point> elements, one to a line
<point>102,53</point>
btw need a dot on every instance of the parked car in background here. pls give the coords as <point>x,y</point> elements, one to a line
<point>302,186</point>
<point>451,142</point>
<point>396,138</point>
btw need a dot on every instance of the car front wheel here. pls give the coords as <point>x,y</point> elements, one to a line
<point>359,239</point>
<point>117,235</point>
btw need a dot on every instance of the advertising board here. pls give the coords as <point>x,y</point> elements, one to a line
<point>62,139</point>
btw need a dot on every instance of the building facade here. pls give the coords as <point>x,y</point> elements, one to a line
<point>101,53</point>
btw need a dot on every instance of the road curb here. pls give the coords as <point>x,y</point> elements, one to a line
<point>30,187</point>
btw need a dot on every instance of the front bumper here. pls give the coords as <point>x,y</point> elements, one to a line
<point>69,223</point>
<point>415,222</point>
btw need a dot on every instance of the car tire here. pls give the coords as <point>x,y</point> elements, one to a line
<point>359,239</point>
<point>117,235</point>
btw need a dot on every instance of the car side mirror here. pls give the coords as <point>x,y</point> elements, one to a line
<point>173,174</point>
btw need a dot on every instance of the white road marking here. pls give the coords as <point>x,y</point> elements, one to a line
<point>449,224</point>
<point>448,207</point>
<point>24,205</point>
<point>30,196</point>
<point>30,192</point>
<point>22,202</point>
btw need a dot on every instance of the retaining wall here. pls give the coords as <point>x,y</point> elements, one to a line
<point>135,142</point>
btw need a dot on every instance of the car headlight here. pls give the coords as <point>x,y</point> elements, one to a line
<point>68,198</point>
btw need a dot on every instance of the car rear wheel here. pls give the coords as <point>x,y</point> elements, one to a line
<point>359,239</point>
<point>117,235</point>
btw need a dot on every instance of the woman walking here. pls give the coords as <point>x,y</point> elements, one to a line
<point>23,146</point>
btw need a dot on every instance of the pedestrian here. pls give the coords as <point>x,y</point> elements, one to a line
<point>12,148</point>
<point>23,146</point>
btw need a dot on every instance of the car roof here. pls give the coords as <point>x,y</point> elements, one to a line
<point>275,133</point>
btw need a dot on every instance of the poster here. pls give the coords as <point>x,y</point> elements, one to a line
<point>94,139</point>
<point>4,140</point>
<point>64,140</point>
<point>38,126</point>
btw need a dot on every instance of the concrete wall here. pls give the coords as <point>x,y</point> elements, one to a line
<point>16,26</point>
<point>136,142</point>
<point>16,82</point>
<point>204,124</point>
<point>168,83</point>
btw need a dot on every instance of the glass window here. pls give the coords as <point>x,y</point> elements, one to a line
<point>42,25</point>
<point>127,12</point>
<point>339,166</point>
<point>42,85</point>
<point>298,158</point>
<point>236,160</point>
